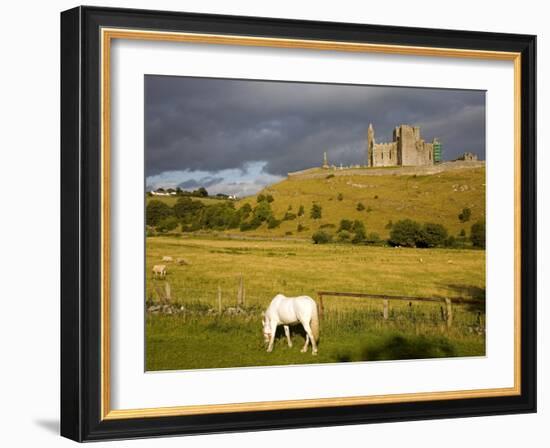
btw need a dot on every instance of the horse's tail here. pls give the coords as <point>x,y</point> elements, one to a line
<point>314,324</point>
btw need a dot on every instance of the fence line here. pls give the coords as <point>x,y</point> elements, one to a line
<point>447,314</point>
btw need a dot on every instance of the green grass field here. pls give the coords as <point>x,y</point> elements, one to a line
<point>351,329</point>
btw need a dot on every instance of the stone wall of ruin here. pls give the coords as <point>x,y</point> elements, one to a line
<point>385,154</point>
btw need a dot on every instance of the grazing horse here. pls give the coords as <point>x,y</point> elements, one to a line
<point>159,270</point>
<point>289,311</point>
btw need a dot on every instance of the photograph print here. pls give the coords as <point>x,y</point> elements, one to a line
<point>296,223</point>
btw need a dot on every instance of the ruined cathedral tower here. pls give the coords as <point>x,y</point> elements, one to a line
<point>370,146</point>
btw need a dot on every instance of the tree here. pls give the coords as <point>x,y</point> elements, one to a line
<point>432,235</point>
<point>344,236</point>
<point>262,211</point>
<point>156,211</point>
<point>477,234</point>
<point>465,215</point>
<point>273,223</point>
<point>360,207</point>
<point>301,211</point>
<point>316,212</point>
<point>269,198</point>
<point>186,209</point>
<point>201,192</point>
<point>359,232</point>
<point>218,216</point>
<point>372,238</point>
<point>260,198</point>
<point>346,224</point>
<point>405,233</point>
<point>450,242</point>
<point>167,224</point>
<point>321,237</point>
<point>245,211</point>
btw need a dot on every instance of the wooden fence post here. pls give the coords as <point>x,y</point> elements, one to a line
<point>321,306</point>
<point>240,291</point>
<point>168,291</point>
<point>449,312</point>
<point>219,299</point>
<point>386,308</point>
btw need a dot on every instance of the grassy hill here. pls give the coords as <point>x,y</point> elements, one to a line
<point>389,195</point>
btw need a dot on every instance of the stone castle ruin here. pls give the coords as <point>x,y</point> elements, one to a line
<point>406,149</point>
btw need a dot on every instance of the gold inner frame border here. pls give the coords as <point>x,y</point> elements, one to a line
<point>107,35</point>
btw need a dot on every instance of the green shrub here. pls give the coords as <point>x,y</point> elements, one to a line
<point>344,236</point>
<point>405,233</point>
<point>156,211</point>
<point>359,232</point>
<point>346,224</point>
<point>465,215</point>
<point>321,237</point>
<point>360,207</point>
<point>373,239</point>
<point>273,223</point>
<point>340,197</point>
<point>218,216</point>
<point>301,211</point>
<point>477,234</point>
<point>289,216</point>
<point>262,211</point>
<point>316,212</point>
<point>301,228</point>
<point>330,176</point>
<point>186,209</point>
<point>432,235</point>
<point>253,224</point>
<point>245,211</point>
<point>167,224</point>
<point>450,242</point>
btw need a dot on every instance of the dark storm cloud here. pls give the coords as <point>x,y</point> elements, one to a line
<point>209,125</point>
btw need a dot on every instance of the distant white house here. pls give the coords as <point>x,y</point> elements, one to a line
<point>163,193</point>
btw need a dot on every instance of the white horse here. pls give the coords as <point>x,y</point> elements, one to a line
<point>288,311</point>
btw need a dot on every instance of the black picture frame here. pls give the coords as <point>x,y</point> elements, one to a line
<point>81,224</point>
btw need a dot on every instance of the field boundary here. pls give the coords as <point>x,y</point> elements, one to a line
<point>448,312</point>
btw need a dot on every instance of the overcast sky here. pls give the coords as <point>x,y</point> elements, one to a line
<point>236,136</point>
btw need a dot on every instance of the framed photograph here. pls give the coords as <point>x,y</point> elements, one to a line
<point>276,224</point>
